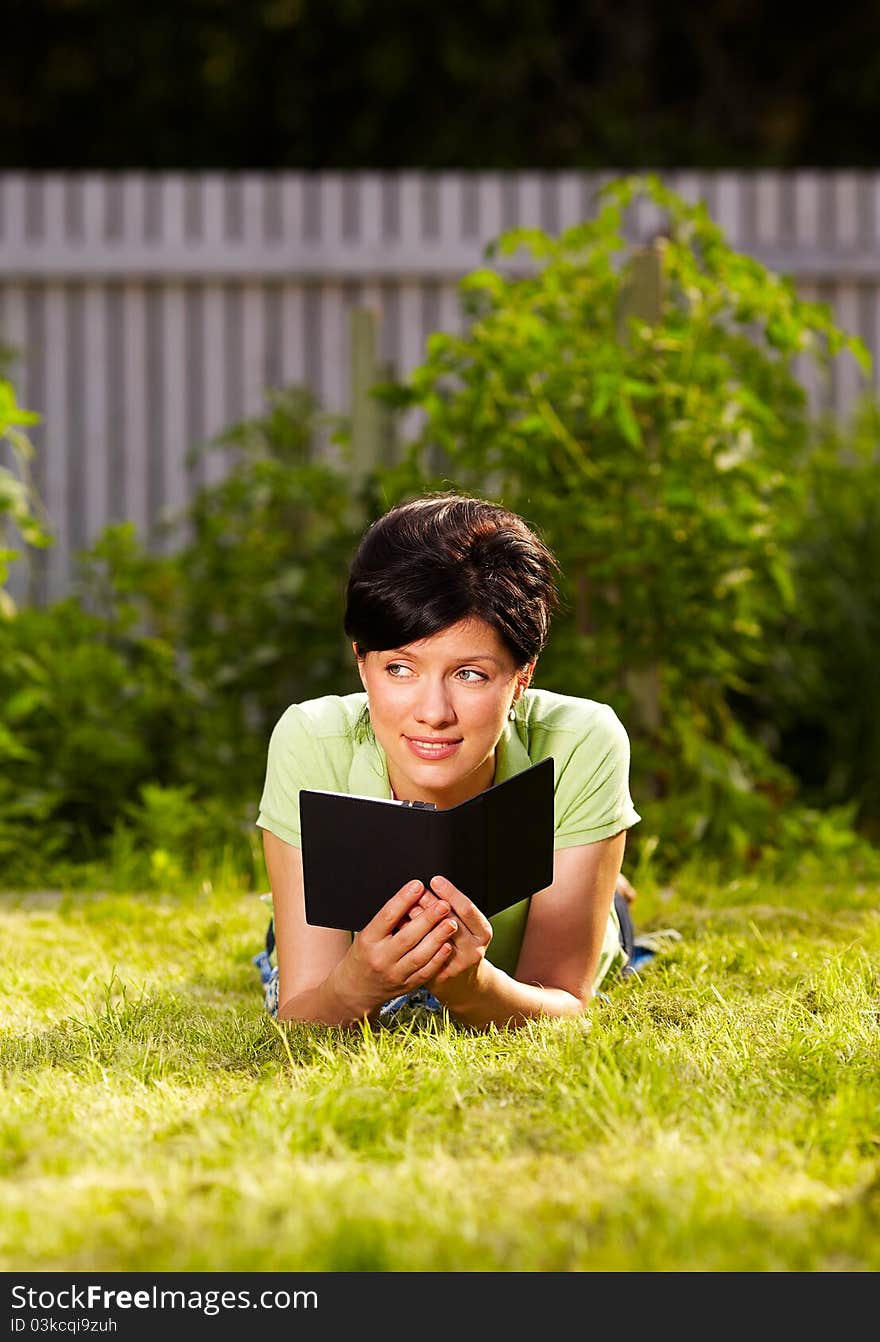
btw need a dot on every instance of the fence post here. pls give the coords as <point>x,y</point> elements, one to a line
<point>371,437</point>
<point>643,289</point>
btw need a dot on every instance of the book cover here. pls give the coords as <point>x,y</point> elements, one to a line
<point>497,848</point>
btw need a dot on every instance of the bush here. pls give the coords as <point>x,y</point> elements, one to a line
<point>655,440</point>
<point>21,514</point>
<point>260,587</point>
<point>815,702</point>
<point>652,437</point>
<point>87,717</point>
<point>135,715</point>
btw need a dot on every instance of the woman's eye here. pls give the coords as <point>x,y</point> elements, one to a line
<point>470,676</point>
<point>397,670</point>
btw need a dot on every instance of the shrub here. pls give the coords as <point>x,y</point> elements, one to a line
<point>653,443</point>
<point>21,514</point>
<point>260,589</point>
<point>815,701</point>
<point>135,714</point>
<point>87,716</point>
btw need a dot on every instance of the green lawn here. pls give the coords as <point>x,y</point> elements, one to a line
<point>720,1113</point>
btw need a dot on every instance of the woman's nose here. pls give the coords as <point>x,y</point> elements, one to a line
<point>434,706</point>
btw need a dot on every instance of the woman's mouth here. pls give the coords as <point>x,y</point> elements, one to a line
<point>432,749</point>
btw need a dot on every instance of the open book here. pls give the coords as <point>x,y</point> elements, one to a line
<point>357,852</point>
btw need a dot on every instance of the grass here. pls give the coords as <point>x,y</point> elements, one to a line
<point>719,1113</point>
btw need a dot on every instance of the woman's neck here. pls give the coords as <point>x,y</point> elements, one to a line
<point>444,798</point>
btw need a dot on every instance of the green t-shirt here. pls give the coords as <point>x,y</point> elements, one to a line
<point>321,745</point>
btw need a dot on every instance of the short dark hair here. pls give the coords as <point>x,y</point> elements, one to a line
<point>433,561</point>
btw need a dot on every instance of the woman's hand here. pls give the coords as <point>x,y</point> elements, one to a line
<point>405,946</point>
<point>457,979</point>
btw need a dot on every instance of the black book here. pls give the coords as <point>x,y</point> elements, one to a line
<point>357,852</point>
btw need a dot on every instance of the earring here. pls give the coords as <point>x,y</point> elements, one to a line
<point>512,713</point>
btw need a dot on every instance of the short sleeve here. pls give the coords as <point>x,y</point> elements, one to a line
<point>292,763</point>
<point>592,792</point>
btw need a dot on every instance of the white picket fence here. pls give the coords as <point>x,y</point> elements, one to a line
<point>150,311</point>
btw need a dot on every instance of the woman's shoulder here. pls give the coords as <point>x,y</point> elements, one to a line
<point>331,717</point>
<point>591,753</point>
<point>311,746</point>
<point>546,712</point>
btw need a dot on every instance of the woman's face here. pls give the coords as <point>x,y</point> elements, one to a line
<point>438,707</point>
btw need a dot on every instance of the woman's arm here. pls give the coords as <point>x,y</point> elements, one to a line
<point>560,953</point>
<point>307,956</point>
<point>326,975</point>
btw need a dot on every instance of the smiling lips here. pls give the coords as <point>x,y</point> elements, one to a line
<point>432,749</point>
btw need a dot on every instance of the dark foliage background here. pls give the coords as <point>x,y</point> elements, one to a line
<point>394,83</point>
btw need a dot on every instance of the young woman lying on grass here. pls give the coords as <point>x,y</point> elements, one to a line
<point>449,602</point>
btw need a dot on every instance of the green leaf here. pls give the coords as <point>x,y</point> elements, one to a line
<point>627,422</point>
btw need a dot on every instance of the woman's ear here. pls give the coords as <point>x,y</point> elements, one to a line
<point>524,678</point>
<point>360,664</point>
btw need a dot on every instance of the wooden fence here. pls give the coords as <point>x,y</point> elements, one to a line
<point>149,312</point>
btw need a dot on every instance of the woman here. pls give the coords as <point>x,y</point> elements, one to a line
<point>448,607</point>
